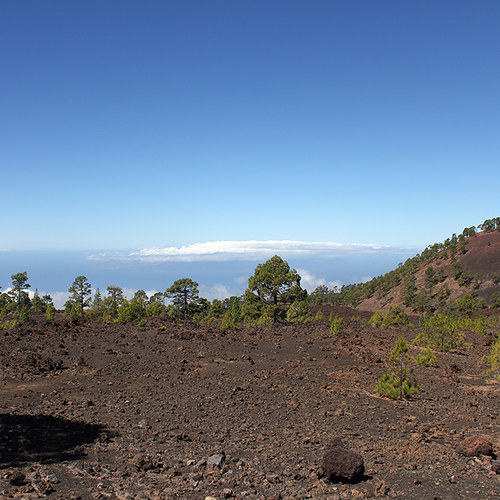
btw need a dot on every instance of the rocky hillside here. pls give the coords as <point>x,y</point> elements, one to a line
<point>462,273</point>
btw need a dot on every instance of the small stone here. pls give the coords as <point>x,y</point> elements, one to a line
<point>44,488</point>
<point>216,460</point>
<point>196,476</point>
<point>495,467</point>
<point>381,489</point>
<point>272,478</point>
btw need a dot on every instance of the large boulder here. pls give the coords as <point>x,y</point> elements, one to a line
<point>474,446</point>
<point>342,464</point>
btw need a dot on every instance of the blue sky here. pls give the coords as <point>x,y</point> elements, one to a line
<point>135,125</point>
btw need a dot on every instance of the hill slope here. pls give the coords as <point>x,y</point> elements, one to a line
<point>462,269</point>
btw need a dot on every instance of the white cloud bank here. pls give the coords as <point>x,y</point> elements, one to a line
<point>310,281</point>
<point>241,250</point>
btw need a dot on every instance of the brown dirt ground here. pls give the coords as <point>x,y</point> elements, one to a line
<point>90,410</point>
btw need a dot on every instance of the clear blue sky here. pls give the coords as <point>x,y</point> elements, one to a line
<point>133,124</point>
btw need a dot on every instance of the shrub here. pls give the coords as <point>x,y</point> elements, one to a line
<point>24,314</point>
<point>50,313</point>
<point>155,309</point>
<point>265,320</point>
<point>495,300</point>
<point>209,322</point>
<point>493,359</point>
<point>397,385</point>
<point>107,318</point>
<point>72,309</point>
<point>441,332</point>
<point>426,358</point>
<point>129,311</point>
<point>228,322</point>
<point>396,316</point>
<point>319,316</point>
<point>467,304</point>
<point>298,312</point>
<point>336,325</point>
<point>478,325</point>
<point>377,319</point>
<point>391,386</point>
<point>8,324</point>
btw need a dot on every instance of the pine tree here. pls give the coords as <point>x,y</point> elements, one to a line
<point>19,285</point>
<point>80,293</point>
<point>183,292</point>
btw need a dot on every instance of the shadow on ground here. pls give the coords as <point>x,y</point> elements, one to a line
<point>43,438</point>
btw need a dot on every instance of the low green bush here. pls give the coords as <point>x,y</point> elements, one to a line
<point>493,359</point>
<point>426,358</point>
<point>394,387</point>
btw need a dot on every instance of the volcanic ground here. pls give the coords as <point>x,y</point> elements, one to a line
<point>90,410</point>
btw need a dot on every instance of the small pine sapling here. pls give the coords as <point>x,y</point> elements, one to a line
<point>319,316</point>
<point>377,319</point>
<point>395,383</point>
<point>395,316</point>
<point>228,322</point>
<point>50,313</point>
<point>426,358</point>
<point>24,314</point>
<point>336,325</point>
<point>298,312</point>
<point>493,360</point>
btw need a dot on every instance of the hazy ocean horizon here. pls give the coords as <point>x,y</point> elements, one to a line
<point>54,271</point>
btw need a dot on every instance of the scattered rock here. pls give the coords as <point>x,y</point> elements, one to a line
<point>216,461</point>
<point>495,467</point>
<point>17,479</point>
<point>44,488</point>
<point>342,464</point>
<point>474,446</point>
<point>146,462</point>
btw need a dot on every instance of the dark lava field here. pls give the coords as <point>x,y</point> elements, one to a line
<point>90,410</point>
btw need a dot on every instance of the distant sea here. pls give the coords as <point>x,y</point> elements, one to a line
<point>53,272</point>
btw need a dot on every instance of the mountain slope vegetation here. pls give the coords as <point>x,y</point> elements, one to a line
<point>463,272</point>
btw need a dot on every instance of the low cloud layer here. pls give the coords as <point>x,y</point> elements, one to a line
<point>310,282</point>
<point>241,250</point>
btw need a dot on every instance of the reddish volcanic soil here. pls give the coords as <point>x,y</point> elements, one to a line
<point>481,259</point>
<point>92,411</point>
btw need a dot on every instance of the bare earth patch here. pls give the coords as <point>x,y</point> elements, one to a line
<point>93,411</point>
